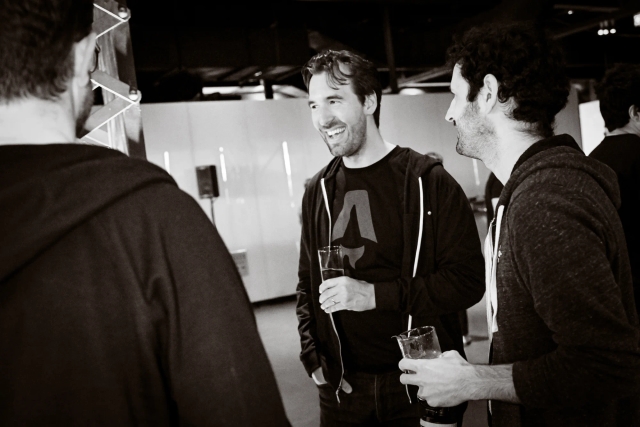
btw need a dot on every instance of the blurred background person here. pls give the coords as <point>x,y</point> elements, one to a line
<point>619,95</point>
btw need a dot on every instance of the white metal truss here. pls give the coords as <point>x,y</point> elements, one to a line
<point>119,96</point>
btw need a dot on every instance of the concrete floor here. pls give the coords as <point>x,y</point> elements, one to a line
<point>277,324</point>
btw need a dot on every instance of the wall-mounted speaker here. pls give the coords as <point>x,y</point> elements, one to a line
<point>207,182</point>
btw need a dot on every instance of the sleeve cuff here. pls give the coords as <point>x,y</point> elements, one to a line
<point>387,296</point>
<point>527,383</point>
<point>310,362</point>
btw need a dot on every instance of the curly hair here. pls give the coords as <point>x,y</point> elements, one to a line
<point>619,90</point>
<point>362,74</point>
<point>528,64</point>
<point>36,37</point>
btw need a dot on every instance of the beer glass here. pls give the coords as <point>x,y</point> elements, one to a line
<point>331,262</point>
<point>422,343</point>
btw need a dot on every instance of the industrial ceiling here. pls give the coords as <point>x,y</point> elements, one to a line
<point>181,46</point>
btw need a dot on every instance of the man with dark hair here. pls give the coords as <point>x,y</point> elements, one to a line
<point>119,304</point>
<point>411,252</point>
<point>619,94</point>
<point>561,316</point>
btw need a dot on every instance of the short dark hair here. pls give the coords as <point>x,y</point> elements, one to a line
<point>362,74</point>
<point>619,90</point>
<point>36,37</point>
<point>528,64</point>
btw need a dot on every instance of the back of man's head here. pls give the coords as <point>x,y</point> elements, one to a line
<point>36,37</point>
<point>344,67</point>
<point>528,64</point>
<point>619,90</point>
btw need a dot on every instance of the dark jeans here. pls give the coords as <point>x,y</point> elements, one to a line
<point>376,400</point>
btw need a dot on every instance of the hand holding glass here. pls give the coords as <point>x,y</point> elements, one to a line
<point>422,343</point>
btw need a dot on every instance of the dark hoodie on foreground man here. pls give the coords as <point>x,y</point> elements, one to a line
<point>119,303</point>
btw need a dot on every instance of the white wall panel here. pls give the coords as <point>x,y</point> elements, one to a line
<point>258,210</point>
<point>418,122</point>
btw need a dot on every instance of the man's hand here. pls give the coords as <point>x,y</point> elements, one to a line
<point>318,378</point>
<point>450,380</point>
<point>443,381</point>
<point>345,293</point>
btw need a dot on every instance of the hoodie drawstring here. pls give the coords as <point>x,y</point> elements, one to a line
<point>326,204</point>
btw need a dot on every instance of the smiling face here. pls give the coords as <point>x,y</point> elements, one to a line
<point>475,132</point>
<point>338,115</point>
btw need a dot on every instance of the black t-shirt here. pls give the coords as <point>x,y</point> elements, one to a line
<point>367,223</point>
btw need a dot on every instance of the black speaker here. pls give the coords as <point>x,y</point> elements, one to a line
<point>207,182</point>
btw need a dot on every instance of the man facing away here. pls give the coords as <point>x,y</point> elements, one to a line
<point>410,244</point>
<point>119,304</point>
<point>560,301</point>
<point>619,95</point>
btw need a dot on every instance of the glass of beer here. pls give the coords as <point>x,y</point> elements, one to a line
<point>331,262</point>
<point>419,343</point>
<point>422,343</point>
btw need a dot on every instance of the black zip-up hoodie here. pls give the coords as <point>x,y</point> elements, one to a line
<point>448,277</point>
<point>566,315</point>
<point>119,303</point>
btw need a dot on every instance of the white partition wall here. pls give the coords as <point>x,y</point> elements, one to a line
<point>265,150</point>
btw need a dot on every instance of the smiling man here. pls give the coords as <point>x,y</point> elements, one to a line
<point>560,308</point>
<point>410,245</point>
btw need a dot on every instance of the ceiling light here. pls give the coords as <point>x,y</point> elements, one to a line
<point>612,31</point>
<point>600,32</point>
<point>605,32</point>
<point>570,12</point>
<point>636,20</point>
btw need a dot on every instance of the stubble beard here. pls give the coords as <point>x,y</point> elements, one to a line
<point>350,147</point>
<point>475,134</point>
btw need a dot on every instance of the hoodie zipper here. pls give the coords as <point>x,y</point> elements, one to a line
<point>417,257</point>
<point>335,330</point>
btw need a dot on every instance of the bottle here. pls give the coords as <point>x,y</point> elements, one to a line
<point>436,417</point>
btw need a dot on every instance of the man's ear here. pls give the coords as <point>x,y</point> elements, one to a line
<point>634,113</point>
<point>370,103</point>
<point>488,96</point>
<point>83,56</point>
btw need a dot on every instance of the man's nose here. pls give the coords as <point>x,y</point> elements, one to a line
<point>325,117</point>
<point>449,116</point>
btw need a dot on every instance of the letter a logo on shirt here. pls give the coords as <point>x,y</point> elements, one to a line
<point>360,200</point>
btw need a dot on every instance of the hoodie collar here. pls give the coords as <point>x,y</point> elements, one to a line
<point>560,152</point>
<point>563,140</point>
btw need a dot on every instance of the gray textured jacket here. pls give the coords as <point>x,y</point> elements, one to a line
<point>566,315</point>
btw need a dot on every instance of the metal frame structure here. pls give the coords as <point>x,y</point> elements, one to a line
<point>117,124</point>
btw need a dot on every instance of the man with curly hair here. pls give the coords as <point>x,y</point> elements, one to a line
<point>619,95</point>
<point>560,310</point>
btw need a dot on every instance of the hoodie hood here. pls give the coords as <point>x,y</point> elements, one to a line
<point>560,152</point>
<point>48,190</point>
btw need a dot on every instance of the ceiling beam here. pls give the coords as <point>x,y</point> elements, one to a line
<point>426,75</point>
<point>586,8</point>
